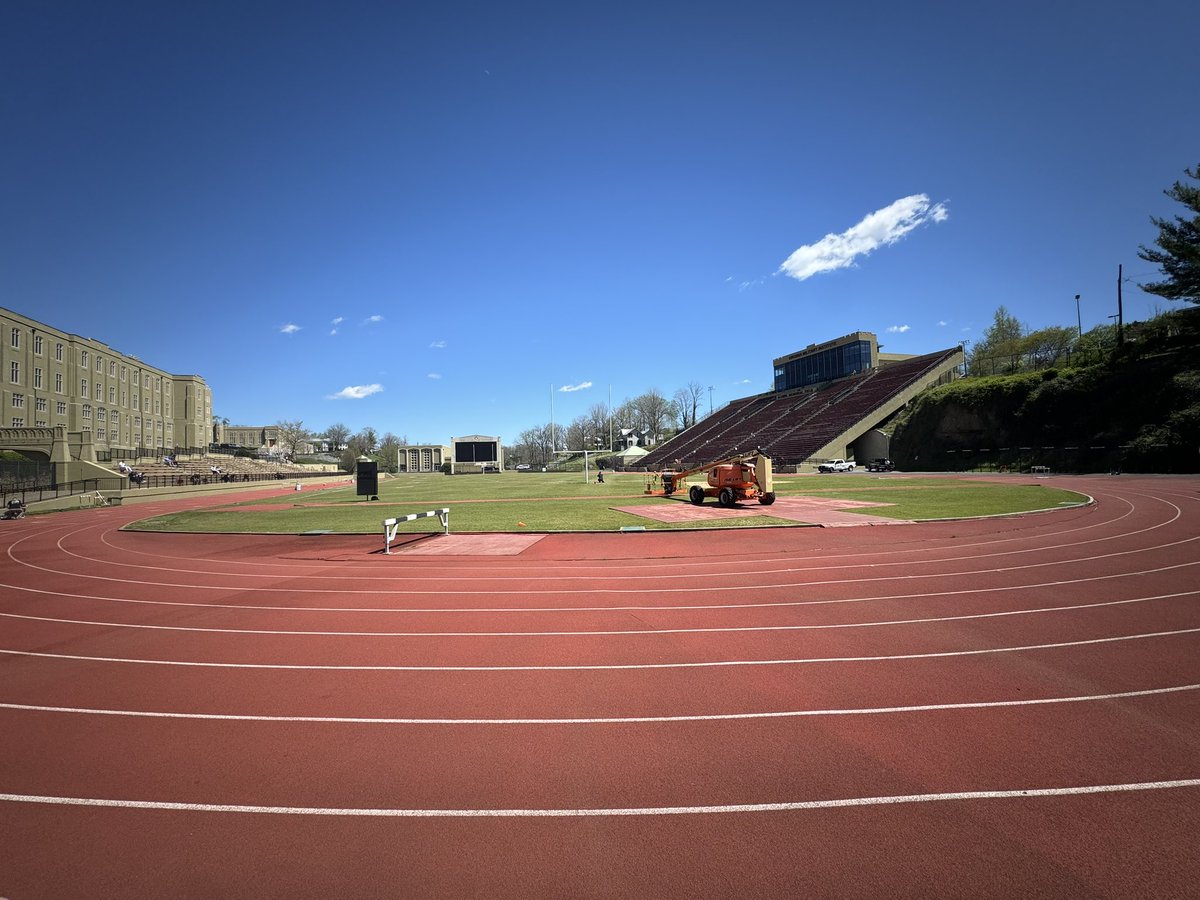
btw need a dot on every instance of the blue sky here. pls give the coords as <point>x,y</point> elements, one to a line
<point>420,217</point>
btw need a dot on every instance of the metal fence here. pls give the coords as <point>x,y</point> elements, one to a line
<point>33,494</point>
<point>156,452</point>
<point>51,492</point>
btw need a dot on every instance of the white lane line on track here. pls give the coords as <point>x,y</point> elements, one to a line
<point>628,608</point>
<point>671,576</point>
<point>796,806</point>
<point>610,720</point>
<point>962,574</point>
<point>553,564</point>
<point>671,565</point>
<point>616,633</point>
<point>598,667</point>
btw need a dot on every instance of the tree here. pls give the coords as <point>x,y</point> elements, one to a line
<point>367,440</point>
<point>1179,243</point>
<point>598,419</point>
<point>687,403</point>
<point>1047,347</point>
<point>389,450</point>
<point>289,436</point>
<point>337,434</point>
<point>652,412</point>
<point>1000,350</point>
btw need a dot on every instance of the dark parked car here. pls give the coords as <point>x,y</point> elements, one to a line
<point>881,465</point>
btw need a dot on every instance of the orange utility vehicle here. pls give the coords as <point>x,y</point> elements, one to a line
<point>744,477</point>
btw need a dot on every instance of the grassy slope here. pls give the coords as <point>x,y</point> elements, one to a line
<point>562,502</point>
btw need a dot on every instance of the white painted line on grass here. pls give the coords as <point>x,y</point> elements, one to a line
<point>797,806</point>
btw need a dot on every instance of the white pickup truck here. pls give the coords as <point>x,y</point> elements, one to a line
<point>836,465</point>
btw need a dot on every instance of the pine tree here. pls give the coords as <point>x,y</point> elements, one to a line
<point>1179,243</point>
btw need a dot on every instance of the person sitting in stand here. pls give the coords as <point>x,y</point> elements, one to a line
<point>124,468</point>
<point>15,509</point>
<point>137,478</point>
<point>216,470</point>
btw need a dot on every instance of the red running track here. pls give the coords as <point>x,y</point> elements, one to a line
<point>988,708</point>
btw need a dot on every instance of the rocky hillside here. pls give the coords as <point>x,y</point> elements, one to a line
<point>1139,412</point>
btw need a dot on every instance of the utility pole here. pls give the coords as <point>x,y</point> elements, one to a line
<point>1120,310</point>
<point>610,420</point>
<point>1078,318</point>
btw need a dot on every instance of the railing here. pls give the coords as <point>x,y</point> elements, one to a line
<point>34,494</point>
<point>189,479</point>
<point>139,452</point>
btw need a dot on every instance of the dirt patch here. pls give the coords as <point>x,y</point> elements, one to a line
<point>809,510</point>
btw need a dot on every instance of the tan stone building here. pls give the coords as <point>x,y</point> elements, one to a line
<point>422,458</point>
<point>54,379</point>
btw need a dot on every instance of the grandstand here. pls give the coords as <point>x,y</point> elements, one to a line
<point>199,470</point>
<point>803,426</point>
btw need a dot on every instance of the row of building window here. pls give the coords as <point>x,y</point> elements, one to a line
<point>18,402</point>
<point>19,422</point>
<point>15,377</point>
<point>148,381</point>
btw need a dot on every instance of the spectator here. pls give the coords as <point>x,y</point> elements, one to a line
<point>216,470</point>
<point>137,478</point>
<point>124,468</point>
<point>14,510</point>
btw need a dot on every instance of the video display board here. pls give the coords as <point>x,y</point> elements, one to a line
<point>474,451</point>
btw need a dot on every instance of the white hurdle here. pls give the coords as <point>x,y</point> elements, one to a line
<point>391,526</point>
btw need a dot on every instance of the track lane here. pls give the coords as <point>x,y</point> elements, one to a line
<point>1144,526</point>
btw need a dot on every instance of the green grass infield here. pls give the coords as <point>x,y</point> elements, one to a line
<point>547,502</point>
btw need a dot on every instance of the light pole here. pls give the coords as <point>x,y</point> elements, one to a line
<point>710,390</point>
<point>1078,318</point>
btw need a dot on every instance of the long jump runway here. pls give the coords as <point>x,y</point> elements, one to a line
<point>1001,707</point>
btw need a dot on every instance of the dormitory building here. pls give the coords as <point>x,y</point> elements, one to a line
<point>53,378</point>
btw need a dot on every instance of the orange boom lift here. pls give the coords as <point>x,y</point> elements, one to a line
<point>744,477</point>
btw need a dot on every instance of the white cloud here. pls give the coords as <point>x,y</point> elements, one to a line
<point>568,388</point>
<point>437,345</point>
<point>898,329</point>
<point>942,323</point>
<point>434,375</point>
<point>332,332</point>
<point>289,328</point>
<point>356,392</point>
<point>338,321</point>
<point>371,320</point>
<point>743,381</point>
<point>878,229</point>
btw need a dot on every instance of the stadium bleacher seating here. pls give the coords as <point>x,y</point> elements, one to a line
<point>792,426</point>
